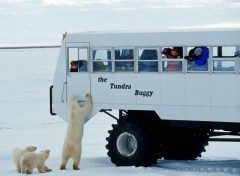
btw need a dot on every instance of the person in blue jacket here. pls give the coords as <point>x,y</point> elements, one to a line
<point>199,56</point>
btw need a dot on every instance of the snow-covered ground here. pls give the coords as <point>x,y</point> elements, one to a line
<point>26,76</point>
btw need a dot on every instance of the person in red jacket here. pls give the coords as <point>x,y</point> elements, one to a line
<point>174,53</point>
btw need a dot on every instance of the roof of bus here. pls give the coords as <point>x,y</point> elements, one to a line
<point>200,37</point>
<point>159,30</point>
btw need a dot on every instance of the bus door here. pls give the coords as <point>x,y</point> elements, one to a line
<point>78,77</point>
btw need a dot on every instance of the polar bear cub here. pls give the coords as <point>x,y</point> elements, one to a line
<point>17,153</point>
<point>31,160</point>
<point>72,146</point>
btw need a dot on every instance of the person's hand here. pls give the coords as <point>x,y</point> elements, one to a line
<point>188,58</point>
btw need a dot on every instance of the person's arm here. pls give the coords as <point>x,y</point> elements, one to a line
<point>203,59</point>
<point>188,58</point>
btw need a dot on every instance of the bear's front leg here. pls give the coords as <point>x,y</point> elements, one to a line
<point>18,168</point>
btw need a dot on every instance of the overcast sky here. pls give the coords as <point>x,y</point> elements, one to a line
<point>25,22</point>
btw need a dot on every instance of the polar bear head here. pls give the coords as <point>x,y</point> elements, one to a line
<point>45,153</point>
<point>30,148</point>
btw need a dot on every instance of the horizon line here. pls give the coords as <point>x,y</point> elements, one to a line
<point>29,47</point>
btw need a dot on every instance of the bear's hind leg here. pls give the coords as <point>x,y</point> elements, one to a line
<point>47,169</point>
<point>76,161</point>
<point>28,171</point>
<point>64,162</point>
<point>75,167</point>
<point>63,166</point>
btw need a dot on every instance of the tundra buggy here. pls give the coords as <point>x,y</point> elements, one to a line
<point>169,106</point>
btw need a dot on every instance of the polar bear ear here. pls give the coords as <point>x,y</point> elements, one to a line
<point>47,151</point>
<point>88,95</point>
<point>32,148</point>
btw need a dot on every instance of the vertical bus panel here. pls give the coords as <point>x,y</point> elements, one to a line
<point>173,89</point>
<point>101,89</point>
<point>124,86</point>
<point>198,89</point>
<point>147,88</point>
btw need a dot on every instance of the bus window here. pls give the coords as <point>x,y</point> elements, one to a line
<point>148,60</point>
<point>82,59</point>
<point>102,60</point>
<point>124,60</point>
<point>223,65</point>
<point>197,58</point>
<point>72,59</point>
<point>77,59</point>
<point>223,58</point>
<point>221,51</point>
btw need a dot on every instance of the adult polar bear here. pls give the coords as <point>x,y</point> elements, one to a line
<point>72,147</point>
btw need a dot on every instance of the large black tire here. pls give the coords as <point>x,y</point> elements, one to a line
<point>183,144</point>
<point>132,142</point>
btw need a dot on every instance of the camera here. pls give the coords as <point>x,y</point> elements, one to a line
<point>167,51</point>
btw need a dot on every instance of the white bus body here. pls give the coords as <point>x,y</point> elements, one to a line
<point>184,98</point>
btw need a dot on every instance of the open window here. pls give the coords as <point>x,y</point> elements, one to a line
<point>172,58</point>
<point>197,58</point>
<point>77,59</point>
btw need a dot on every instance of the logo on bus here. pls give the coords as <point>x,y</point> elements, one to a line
<point>126,86</point>
<point>144,93</point>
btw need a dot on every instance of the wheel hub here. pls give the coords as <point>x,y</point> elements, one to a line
<point>126,144</point>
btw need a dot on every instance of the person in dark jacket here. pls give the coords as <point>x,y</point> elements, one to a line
<point>199,56</point>
<point>74,66</point>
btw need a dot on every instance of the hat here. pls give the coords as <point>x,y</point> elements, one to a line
<point>73,63</point>
<point>178,49</point>
<point>198,51</point>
